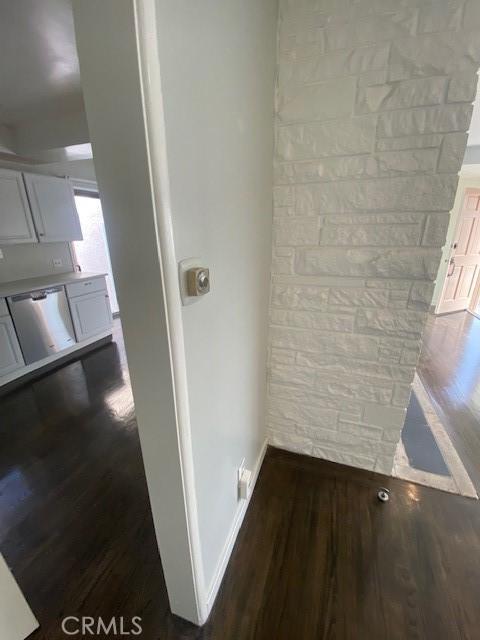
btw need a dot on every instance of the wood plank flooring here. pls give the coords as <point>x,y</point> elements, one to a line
<point>318,557</point>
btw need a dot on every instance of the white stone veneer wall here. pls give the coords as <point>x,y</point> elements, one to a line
<point>373,104</point>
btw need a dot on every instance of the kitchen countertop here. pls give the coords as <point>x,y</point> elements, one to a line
<point>52,280</point>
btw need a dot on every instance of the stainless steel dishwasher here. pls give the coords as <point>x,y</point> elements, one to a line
<point>43,322</point>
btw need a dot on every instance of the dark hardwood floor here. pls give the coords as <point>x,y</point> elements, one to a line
<point>318,557</point>
<point>75,522</point>
<point>450,370</point>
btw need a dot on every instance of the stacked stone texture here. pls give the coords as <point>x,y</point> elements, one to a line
<point>372,108</point>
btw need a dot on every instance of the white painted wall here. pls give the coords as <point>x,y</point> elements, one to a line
<point>212,179</point>
<point>373,104</point>
<point>30,260</point>
<point>217,61</point>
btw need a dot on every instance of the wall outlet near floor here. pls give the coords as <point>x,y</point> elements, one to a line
<point>57,262</point>
<point>244,481</point>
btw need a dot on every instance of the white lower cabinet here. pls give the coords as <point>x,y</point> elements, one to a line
<point>11,357</point>
<point>91,313</point>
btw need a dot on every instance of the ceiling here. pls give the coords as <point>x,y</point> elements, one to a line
<point>40,76</point>
<point>41,79</point>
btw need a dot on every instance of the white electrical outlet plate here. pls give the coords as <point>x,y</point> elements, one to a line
<point>1,254</point>
<point>240,469</point>
<point>244,484</point>
<point>57,262</point>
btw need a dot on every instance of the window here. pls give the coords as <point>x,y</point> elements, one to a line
<point>91,253</point>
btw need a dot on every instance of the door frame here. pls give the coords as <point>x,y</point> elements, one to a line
<point>472,305</point>
<point>127,129</point>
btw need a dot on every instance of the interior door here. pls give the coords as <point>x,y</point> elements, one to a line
<point>53,208</point>
<point>464,264</point>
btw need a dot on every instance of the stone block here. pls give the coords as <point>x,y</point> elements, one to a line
<point>471,19</point>
<point>463,87</point>
<point>352,368</point>
<point>361,430</point>
<point>299,297</point>
<point>341,457</point>
<point>415,193</point>
<point>304,414</point>
<point>410,161</point>
<point>296,231</point>
<point>304,395</point>
<point>426,120</point>
<point>401,95</point>
<point>346,62</point>
<point>313,341</point>
<point>360,166</point>
<point>401,395</point>
<point>421,296</point>
<point>332,99</point>
<point>313,320</point>
<point>290,442</point>
<point>282,260</point>
<point>283,196</point>
<point>360,297</point>
<point>452,152</point>
<point>370,29</point>
<point>292,375</point>
<point>440,16</point>
<point>434,54</point>
<point>419,263</point>
<point>367,390</point>
<point>371,235</point>
<point>385,417</point>
<point>324,139</point>
<point>282,356</point>
<point>393,322</point>
<point>435,231</point>
<point>428,141</point>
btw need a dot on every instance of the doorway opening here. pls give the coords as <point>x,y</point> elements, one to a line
<point>92,253</point>
<point>76,525</point>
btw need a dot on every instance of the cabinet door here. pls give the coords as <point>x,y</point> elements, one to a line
<point>53,207</point>
<point>16,224</point>
<point>11,357</point>
<point>91,314</point>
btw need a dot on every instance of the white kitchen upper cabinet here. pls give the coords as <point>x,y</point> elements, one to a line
<point>91,314</point>
<point>53,208</point>
<point>11,357</point>
<point>16,224</point>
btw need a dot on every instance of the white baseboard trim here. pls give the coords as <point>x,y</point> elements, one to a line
<point>232,536</point>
